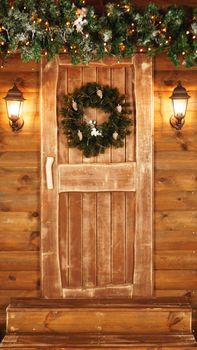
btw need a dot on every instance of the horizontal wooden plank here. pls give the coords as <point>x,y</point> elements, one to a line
<point>162,62</point>
<point>64,60</point>
<point>176,160</point>
<point>21,240</point>
<point>19,261</point>
<point>25,81</point>
<point>176,260</point>
<point>96,177</point>
<point>175,279</point>
<point>14,62</point>
<point>171,140</point>
<point>19,202</point>
<point>19,221</point>
<point>188,294</point>
<point>94,320</point>
<point>175,240</point>
<point>99,341</point>
<point>19,280</point>
<point>24,159</point>
<point>14,142</point>
<point>176,220</point>
<point>20,180</point>
<point>167,80</point>
<point>177,200</point>
<point>176,180</point>
<point>7,295</point>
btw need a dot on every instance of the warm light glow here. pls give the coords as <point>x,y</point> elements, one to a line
<point>14,109</point>
<point>179,107</point>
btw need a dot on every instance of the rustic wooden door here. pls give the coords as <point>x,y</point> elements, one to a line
<point>97,213</point>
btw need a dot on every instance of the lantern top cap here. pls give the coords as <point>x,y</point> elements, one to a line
<point>14,94</point>
<point>179,92</point>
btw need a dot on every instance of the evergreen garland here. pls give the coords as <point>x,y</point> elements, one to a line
<point>86,134</point>
<point>36,27</point>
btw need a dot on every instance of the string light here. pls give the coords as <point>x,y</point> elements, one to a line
<point>187,32</point>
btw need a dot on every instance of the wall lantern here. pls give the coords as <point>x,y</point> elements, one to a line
<point>179,99</point>
<point>14,103</point>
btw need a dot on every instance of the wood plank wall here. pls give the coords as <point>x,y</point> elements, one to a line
<point>19,189</point>
<point>175,188</point>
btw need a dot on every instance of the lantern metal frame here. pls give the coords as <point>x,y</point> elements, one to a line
<point>179,93</point>
<point>14,94</point>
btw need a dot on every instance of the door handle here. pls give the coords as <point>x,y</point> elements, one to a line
<point>49,174</point>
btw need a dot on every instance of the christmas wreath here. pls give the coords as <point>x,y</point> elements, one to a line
<point>85,134</point>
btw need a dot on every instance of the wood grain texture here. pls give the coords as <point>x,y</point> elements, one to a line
<point>143,271</point>
<point>96,178</point>
<point>50,268</point>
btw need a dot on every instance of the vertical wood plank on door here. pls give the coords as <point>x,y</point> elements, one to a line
<point>103,203</point>
<point>75,240</point>
<point>64,238</point>
<point>50,267</point>
<point>130,236</point>
<point>130,197</point>
<point>89,207</point>
<point>89,240</point>
<point>143,278</point>
<point>75,80</point>
<point>62,89</point>
<point>118,200</point>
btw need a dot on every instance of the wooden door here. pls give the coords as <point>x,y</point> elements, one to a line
<point>97,212</point>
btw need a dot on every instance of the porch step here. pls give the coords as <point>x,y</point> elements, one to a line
<point>108,316</point>
<point>92,341</point>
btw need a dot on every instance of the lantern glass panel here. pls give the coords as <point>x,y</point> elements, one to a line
<point>14,109</point>
<point>180,106</point>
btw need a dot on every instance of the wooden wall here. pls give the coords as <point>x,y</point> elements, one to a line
<point>175,187</point>
<point>19,188</point>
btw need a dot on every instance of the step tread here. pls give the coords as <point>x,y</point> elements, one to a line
<point>157,303</point>
<point>93,340</point>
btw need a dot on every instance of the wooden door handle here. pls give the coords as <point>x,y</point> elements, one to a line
<point>49,174</point>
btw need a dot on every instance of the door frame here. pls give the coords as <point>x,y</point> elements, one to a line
<point>143,284</point>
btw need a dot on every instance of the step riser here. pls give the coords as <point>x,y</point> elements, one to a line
<point>99,320</point>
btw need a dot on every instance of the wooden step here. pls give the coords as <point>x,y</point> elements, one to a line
<point>155,316</point>
<point>81,341</point>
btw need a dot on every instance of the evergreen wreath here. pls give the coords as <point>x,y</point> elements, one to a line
<point>86,134</point>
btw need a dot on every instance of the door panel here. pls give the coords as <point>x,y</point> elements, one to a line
<point>99,209</point>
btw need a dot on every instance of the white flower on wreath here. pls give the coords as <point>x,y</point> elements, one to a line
<point>80,21</point>
<point>99,93</point>
<point>74,105</point>
<point>91,123</point>
<point>95,132</point>
<point>119,108</point>
<point>115,135</point>
<point>80,135</point>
